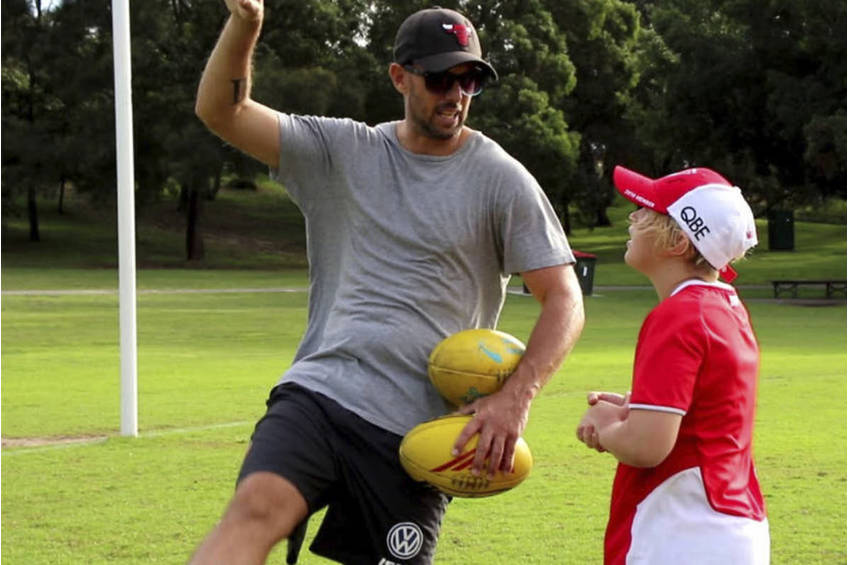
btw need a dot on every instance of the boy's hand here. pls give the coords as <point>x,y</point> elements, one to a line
<point>588,434</point>
<point>612,397</point>
<point>604,408</point>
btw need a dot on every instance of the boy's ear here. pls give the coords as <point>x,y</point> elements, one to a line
<point>682,247</point>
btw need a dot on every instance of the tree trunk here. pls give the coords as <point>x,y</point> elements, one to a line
<point>216,182</point>
<point>182,200</point>
<point>561,209</point>
<point>194,241</point>
<point>61,195</point>
<point>607,193</point>
<point>601,217</point>
<point>32,212</point>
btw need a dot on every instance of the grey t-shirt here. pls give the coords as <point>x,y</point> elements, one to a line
<point>404,250</point>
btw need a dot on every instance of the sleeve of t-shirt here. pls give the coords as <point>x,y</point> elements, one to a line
<point>533,237</point>
<point>307,148</point>
<point>669,355</point>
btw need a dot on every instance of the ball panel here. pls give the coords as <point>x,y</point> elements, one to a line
<point>473,363</point>
<point>425,454</point>
<point>462,387</point>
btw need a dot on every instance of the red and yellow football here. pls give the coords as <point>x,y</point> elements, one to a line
<point>473,363</point>
<point>425,454</point>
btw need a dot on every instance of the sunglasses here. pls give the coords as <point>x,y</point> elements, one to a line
<point>471,83</point>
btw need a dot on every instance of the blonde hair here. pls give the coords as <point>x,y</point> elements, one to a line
<point>667,234</point>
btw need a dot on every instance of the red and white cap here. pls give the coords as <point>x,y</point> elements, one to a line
<point>710,210</point>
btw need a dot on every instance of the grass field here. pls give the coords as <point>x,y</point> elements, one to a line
<point>206,361</point>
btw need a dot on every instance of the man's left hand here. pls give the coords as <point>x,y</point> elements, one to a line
<point>500,420</point>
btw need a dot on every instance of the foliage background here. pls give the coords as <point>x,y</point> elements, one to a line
<point>752,88</point>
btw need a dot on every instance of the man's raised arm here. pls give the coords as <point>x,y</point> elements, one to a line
<point>223,97</point>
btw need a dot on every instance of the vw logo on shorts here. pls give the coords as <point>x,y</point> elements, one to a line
<point>405,540</point>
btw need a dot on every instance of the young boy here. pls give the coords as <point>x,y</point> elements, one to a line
<point>685,490</point>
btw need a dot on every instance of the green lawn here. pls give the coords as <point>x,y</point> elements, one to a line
<point>207,360</point>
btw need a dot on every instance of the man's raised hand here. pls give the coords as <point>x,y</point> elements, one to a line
<point>247,10</point>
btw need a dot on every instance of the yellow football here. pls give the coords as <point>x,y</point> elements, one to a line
<point>473,363</point>
<point>425,453</point>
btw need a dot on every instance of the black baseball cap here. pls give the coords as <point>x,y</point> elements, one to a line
<point>437,39</point>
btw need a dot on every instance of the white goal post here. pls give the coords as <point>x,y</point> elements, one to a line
<point>126,215</point>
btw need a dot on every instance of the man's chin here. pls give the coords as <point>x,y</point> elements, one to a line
<point>431,129</point>
<point>444,132</point>
<point>443,135</point>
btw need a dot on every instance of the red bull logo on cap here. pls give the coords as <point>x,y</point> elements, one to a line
<point>460,31</point>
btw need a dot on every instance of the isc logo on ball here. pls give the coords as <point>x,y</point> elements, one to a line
<point>470,483</point>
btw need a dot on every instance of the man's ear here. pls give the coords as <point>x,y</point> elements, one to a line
<point>398,76</point>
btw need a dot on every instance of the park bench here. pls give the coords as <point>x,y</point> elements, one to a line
<point>790,286</point>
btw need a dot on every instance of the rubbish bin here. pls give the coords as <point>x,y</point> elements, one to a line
<point>585,269</point>
<point>781,230</point>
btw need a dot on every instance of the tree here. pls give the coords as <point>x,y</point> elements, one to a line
<point>755,90</point>
<point>79,60</point>
<point>171,40</point>
<point>311,58</point>
<point>27,106</point>
<point>524,111</point>
<point>603,38</point>
<point>800,46</point>
<point>58,107</point>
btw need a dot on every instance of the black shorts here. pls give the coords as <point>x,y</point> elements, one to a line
<point>376,513</point>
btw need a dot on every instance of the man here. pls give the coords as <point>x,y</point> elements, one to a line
<point>413,228</point>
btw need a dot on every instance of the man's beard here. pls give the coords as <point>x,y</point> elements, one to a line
<point>425,125</point>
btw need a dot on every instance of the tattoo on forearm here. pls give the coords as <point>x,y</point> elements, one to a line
<point>239,85</point>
